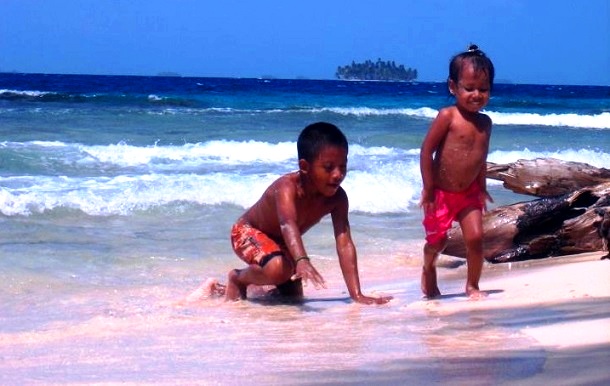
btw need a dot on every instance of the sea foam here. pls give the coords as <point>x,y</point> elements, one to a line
<point>380,179</point>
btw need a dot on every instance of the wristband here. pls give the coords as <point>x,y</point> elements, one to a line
<point>300,258</point>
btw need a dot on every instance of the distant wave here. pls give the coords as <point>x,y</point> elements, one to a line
<point>156,104</point>
<point>598,121</point>
<point>423,112</point>
<point>25,95</point>
<point>591,157</point>
<point>119,99</point>
<point>595,121</point>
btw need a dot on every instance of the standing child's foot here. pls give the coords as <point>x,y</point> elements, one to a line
<point>474,293</point>
<point>428,283</point>
<point>235,290</point>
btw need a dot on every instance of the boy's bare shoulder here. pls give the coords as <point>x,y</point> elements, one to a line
<point>289,182</point>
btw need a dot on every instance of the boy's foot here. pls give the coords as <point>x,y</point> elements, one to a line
<point>209,288</point>
<point>428,283</point>
<point>475,293</point>
<point>235,290</point>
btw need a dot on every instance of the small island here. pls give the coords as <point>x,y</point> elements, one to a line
<point>380,70</point>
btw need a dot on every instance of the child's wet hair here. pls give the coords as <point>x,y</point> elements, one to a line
<point>316,136</point>
<point>479,61</point>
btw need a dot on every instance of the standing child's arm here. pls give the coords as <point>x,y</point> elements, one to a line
<point>436,134</point>
<point>482,181</point>
<point>347,253</point>
<point>482,178</point>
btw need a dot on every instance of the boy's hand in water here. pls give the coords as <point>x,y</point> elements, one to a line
<point>307,272</point>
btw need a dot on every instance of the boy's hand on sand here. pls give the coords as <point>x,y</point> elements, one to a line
<point>307,272</point>
<point>371,300</point>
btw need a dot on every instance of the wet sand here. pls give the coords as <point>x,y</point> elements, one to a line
<point>544,322</point>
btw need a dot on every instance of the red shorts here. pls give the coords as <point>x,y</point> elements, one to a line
<point>448,206</point>
<point>254,246</point>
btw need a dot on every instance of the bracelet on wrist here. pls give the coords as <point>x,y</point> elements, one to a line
<point>301,258</point>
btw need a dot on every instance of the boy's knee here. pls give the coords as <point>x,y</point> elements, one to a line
<point>278,271</point>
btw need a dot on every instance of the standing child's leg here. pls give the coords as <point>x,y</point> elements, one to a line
<point>471,222</point>
<point>429,284</point>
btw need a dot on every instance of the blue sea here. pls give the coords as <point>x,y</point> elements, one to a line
<point>117,193</point>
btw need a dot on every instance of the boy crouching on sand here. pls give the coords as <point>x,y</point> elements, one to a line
<point>268,235</point>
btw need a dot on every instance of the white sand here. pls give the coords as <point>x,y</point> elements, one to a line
<point>563,303</point>
<point>552,282</point>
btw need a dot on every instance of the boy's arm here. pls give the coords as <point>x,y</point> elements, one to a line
<point>285,197</point>
<point>347,253</point>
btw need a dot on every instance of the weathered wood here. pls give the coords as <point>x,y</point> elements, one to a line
<point>551,226</point>
<point>546,177</point>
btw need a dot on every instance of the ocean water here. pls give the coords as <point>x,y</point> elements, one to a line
<point>117,193</point>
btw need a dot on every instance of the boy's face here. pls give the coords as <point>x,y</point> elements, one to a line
<point>328,170</point>
<point>472,90</point>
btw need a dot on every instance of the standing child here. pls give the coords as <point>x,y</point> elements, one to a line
<point>453,165</point>
<point>268,235</point>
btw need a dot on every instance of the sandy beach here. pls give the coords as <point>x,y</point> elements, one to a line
<point>545,321</point>
<point>562,303</point>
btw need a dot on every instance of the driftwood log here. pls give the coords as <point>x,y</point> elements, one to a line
<point>558,224</point>
<point>546,177</point>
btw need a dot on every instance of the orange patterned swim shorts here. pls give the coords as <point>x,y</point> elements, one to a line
<point>448,207</point>
<point>254,246</point>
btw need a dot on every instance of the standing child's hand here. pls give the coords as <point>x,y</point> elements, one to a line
<point>427,200</point>
<point>485,197</point>
<point>307,272</point>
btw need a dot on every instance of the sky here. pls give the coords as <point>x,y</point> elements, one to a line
<point>529,41</point>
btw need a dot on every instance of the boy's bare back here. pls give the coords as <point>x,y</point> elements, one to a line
<point>285,200</point>
<point>461,142</point>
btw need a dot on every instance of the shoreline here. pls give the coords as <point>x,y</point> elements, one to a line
<point>558,307</point>
<point>544,321</point>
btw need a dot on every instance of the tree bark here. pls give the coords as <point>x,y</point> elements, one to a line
<point>546,177</point>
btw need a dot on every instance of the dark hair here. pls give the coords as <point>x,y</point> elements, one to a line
<point>316,136</point>
<point>479,61</point>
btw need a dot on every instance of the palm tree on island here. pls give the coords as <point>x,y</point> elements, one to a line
<point>380,70</point>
